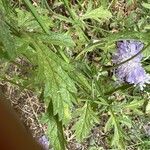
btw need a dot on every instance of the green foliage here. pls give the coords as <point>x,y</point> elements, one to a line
<point>56,39</point>
<point>98,13</point>
<point>69,45</point>
<point>54,129</point>
<point>146,5</point>
<point>35,14</point>
<point>26,21</point>
<point>6,41</point>
<point>86,121</point>
<point>58,85</point>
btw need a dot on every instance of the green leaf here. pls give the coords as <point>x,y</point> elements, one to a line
<point>134,104</point>
<point>146,53</point>
<point>54,129</point>
<point>6,5</point>
<point>81,80</point>
<point>119,136</point>
<point>36,15</point>
<point>147,27</point>
<point>53,134</point>
<point>125,120</point>
<point>6,40</point>
<point>58,84</point>
<point>148,107</point>
<point>56,39</point>
<point>108,124</point>
<point>105,3</point>
<point>98,13</point>
<point>26,21</point>
<point>86,122</point>
<point>63,18</point>
<point>147,68</point>
<point>146,5</point>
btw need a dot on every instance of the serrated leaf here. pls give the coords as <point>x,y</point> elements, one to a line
<point>119,135</point>
<point>98,13</point>
<point>58,84</point>
<point>86,122</point>
<point>81,79</point>
<point>55,130</point>
<point>52,132</point>
<point>56,39</point>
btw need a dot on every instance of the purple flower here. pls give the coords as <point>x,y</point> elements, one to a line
<point>131,71</point>
<point>44,142</point>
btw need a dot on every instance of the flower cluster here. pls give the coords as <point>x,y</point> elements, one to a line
<point>131,71</point>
